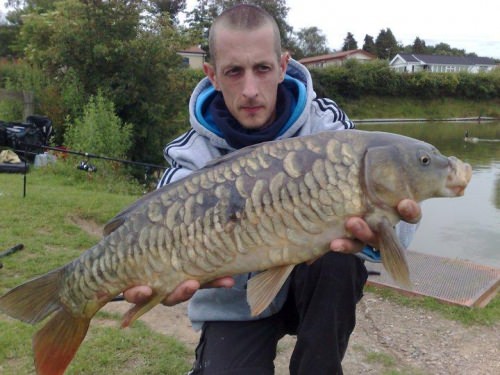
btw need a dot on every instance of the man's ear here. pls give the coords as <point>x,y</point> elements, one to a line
<point>284,64</point>
<point>209,71</point>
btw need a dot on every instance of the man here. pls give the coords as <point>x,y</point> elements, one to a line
<point>254,93</point>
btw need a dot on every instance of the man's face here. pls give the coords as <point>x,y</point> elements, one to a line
<point>247,72</point>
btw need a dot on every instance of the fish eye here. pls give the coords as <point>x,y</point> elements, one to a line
<point>425,159</point>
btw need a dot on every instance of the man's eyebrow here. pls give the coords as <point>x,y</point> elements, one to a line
<point>230,66</point>
<point>264,62</point>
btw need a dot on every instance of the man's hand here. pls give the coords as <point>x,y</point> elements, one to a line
<point>408,209</point>
<point>184,291</point>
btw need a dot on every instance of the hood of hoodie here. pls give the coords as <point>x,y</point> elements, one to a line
<point>297,83</point>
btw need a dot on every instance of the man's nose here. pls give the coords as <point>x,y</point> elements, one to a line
<point>250,86</point>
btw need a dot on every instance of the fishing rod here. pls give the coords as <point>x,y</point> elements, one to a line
<point>12,250</point>
<point>83,165</point>
<point>88,155</point>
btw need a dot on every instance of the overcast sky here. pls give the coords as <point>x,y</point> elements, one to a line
<point>471,25</point>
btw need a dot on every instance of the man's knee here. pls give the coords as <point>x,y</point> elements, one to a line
<point>337,273</point>
<point>340,265</point>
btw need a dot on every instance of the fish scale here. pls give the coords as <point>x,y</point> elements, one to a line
<point>262,208</point>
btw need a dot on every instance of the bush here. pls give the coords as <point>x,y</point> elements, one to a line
<point>354,80</point>
<point>100,131</point>
<point>11,110</point>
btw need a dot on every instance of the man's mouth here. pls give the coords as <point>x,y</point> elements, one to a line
<point>251,110</point>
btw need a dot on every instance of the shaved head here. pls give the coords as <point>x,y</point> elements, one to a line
<point>243,17</point>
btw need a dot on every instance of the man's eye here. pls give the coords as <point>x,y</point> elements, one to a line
<point>233,72</point>
<point>263,68</point>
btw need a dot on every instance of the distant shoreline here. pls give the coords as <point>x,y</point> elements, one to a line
<point>399,120</point>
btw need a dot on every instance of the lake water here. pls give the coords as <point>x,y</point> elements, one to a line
<point>467,227</point>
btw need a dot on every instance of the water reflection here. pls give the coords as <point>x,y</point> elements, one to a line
<point>496,195</point>
<point>467,227</point>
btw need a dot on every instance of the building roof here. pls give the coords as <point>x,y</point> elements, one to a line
<point>336,56</point>
<point>448,60</point>
<point>194,49</point>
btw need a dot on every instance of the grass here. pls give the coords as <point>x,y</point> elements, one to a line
<point>486,316</point>
<point>384,363</point>
<point>386,107</point>
<point>106,350</point>
<point>42,222</point>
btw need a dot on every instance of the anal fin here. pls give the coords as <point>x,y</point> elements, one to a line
<point>263,288</point>
<point>140,309</point>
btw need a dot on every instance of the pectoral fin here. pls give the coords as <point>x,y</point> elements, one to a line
<point>263,288</point>
<point>140,309</point>
<point>393,254</point>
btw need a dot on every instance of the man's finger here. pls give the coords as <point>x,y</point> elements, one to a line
<point>410,211</point>
<point>361,233</point>
<point>346,246</point>
<point>360,230</point>
<point>223,282</point>
<point>186,289</point>
<point>182,292</point>
<point>138,294</point>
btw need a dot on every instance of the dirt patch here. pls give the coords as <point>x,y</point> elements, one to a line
<point>388,337</point>
<point>89,226</point>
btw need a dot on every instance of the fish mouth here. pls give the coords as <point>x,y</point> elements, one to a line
<point>459,175</point>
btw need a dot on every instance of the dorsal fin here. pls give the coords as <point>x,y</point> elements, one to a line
<point>229,156</point>
<point>121,217</point>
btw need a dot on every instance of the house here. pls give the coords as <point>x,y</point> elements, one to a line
<point>407,62</point>
<point>337,58</point>
<point>193,57</point>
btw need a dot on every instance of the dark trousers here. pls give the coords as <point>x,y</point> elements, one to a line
<point>320,310</point>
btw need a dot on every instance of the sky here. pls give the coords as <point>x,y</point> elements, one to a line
<point>472,25</point>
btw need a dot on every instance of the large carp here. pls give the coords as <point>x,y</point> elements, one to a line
<point>265,207</point>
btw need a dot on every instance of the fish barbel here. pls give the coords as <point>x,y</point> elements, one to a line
<point>263,208</point>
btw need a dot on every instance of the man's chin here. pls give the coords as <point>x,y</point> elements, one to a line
<point>253,122</point>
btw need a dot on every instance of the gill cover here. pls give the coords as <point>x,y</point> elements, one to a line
<point>385,175</point>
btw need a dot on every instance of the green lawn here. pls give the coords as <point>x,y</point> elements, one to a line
<point>43,222</point>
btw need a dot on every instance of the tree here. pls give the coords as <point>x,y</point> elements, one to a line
<point>369,45</point>
<point>10,29</point>
<point>200,19</point>
<point>121,48</point>
<point>419,46</point>
<point>8,37</point>
<point>386,44</point>
<point>172,7</point>
<point>349,43</point>
<point>445,49</point>
<point>312,41</point>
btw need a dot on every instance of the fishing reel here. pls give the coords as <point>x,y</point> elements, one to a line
<point>86,166</point>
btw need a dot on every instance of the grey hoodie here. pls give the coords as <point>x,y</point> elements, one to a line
<point>205,141</point>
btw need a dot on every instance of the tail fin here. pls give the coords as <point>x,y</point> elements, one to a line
<point>34,300</point>
<point>56,343</point>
